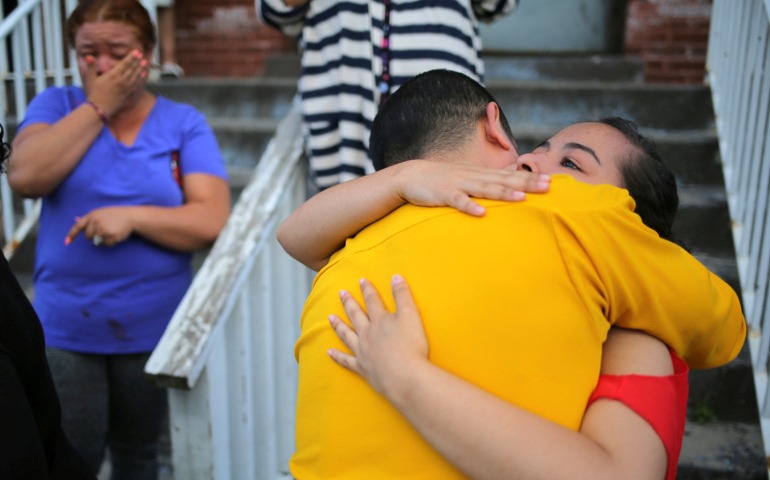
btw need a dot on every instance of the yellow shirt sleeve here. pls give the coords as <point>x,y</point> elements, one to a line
<point>646,283</point>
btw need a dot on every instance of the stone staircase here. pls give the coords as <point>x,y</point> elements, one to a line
<point>540,96</point>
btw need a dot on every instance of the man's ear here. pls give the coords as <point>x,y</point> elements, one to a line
<point>494,128</point>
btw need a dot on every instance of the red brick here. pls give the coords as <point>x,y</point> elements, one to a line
<point>672,46</point>
<point>207,48</point>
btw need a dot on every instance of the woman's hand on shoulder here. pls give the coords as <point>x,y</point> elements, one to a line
<point>385,346</point>
<point>431,183</point>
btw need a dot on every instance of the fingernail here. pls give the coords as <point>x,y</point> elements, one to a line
<point>143,74</point>
<point>518,196</point>
<point>362,281</point>
<point>77,218</point>
<point>144,62</point>
<point>397,279</point>
<point>543,184</point>
<point>342,293</point>
<point>478,210</point>
<point>331,319</point>
<point>67,240</point>
<point>545,177</point>
<point>329,352</point>
<point>137,53</point>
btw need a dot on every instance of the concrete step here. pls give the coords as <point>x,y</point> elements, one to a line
<point>722,451</point>
<point>243,141</point>
<point>713,391</point>
<point>701,229</point>
<point>678,108</point>
<point>286,65</point>
<point>253,98</point>
<point>595,68</point>
<point>674,108</point>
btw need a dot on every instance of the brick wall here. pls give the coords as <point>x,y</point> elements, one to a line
<point>224,38</point>
<point>671,36</point>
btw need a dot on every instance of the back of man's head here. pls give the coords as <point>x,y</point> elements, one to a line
<point>435,113</point>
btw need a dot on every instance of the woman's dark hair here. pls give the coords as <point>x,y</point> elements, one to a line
<point>6,150</point>
<point>649,182</point>
<point>129,12</point>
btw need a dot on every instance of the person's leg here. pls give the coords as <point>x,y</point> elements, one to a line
<point>81,382</point>
<point>136,417</point>
<point>167,34</point>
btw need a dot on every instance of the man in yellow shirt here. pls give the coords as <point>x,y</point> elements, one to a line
<point>517,302</point>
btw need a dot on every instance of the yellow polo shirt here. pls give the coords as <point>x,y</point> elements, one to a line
<point>517,302</point>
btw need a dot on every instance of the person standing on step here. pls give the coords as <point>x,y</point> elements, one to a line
<point>169,67</point>
<point>131,184</point>
<point>355,53</point>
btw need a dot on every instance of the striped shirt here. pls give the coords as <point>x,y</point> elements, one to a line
<point>341,64</point>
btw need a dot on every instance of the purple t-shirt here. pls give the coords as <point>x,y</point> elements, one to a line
<point>116,299</point>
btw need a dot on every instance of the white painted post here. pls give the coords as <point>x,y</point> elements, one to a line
<point>228,349</point>
<point>739,76</point>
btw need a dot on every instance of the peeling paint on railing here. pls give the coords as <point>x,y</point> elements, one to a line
<point>182,352</point>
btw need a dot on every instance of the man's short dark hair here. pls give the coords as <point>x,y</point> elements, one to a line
<point>433,113</point>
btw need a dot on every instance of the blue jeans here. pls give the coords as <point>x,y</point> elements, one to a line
<point>106,401</point>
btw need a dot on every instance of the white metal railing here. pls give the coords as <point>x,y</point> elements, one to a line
<point>739,75</point>
<point>34,31</point>
<point>227,354</point>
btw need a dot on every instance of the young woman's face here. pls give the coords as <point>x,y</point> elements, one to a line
<point>108,42</point>
<point>589,152</point>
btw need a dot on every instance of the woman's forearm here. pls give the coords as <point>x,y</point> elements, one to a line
<point>487,438</point>
<point>186,228</point>
<point>192,226</point>
<point>318,228</point>
<point>43,155</point>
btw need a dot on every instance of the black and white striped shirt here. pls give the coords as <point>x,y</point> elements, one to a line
<point>341,42</point>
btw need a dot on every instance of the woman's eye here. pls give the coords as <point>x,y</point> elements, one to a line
<point>569,164</point>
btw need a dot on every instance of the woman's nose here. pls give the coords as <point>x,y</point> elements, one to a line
<point>529,163</point>
<point>103,64</point>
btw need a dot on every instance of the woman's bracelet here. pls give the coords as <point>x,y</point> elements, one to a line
<point>98,110</point>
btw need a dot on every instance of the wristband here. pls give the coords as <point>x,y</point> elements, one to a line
<point>98,110</point>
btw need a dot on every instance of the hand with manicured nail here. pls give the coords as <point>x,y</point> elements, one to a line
<point>112,224</point>
<point>111,89</point>
<point>384,345</point>
<point>445,184</point>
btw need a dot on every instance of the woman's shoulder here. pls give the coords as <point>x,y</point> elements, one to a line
<point>569,194</point>
<point>53,103</point>
<point>70,93</point>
